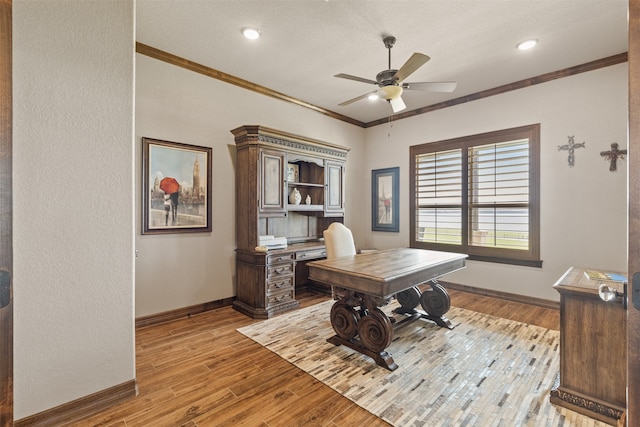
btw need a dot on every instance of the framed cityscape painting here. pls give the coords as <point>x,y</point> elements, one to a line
<point>176,187</point>
<point>385,207</point>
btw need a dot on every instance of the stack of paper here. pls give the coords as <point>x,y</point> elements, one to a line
<point>272,242</point>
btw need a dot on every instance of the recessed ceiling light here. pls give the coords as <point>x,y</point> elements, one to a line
<point>373,97</point>
<point>527,44</point>
<point>251,33</point>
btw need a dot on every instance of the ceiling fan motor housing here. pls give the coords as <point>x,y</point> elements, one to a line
<point>386,78</point>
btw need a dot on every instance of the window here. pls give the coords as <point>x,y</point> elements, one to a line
<point>479,195</point>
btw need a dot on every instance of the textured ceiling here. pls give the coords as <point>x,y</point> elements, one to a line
<point>305,43</point>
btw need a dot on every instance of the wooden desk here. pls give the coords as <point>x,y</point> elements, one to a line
<point>267,281</point>
<point>592,378</point>
<point>361,283</point>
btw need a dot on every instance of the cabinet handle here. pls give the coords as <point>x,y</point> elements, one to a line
<point>279,270</point>
<point>303,255</point>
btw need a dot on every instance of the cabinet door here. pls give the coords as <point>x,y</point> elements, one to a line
<point>272,182</point>
<point>334,182</point>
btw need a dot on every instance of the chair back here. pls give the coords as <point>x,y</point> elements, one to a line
<point>338,240</point>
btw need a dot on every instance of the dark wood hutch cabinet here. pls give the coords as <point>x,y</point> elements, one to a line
<point>267,281</point>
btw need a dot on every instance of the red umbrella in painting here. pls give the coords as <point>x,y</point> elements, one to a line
<point>169,185</point>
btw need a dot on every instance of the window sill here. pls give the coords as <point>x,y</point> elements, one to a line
<point>511,261</point>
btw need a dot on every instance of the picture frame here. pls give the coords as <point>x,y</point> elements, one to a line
<point>293,172</point>
<point>385,199</point>
<point>176,187</point>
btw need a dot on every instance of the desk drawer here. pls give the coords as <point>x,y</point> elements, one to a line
<point>279,270</point>
<point>279,284</point>
<point>280,298</point>
<point>278,258</point>
<point>314,254</point>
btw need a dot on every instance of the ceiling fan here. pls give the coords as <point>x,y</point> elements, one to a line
<point>391,82</point>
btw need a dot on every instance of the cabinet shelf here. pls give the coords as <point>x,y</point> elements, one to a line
<point>303,184</point>
<point>305,208</point>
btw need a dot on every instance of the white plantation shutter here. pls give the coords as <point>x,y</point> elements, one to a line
<point>439,180</point>
<point>499,195</point>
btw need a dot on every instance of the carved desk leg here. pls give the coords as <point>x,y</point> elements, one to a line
<point>435,302</point>
<point>370,324</point>
<point>344,319</point>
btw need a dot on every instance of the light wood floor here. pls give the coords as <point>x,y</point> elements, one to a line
<point>200,371</point>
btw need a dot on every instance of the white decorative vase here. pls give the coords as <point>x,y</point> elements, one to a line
<point>295,197</point>
<point>308,200</point>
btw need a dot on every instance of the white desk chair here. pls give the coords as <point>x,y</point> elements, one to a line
<point>338,241</point>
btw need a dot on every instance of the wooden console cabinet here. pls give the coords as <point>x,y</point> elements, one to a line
<point>267,281</point>
<point>592,378</point>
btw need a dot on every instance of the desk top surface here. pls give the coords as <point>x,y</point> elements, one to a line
<point>384,273</point>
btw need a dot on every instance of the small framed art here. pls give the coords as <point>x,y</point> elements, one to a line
<point>293,172</point>
<point>385,207</point>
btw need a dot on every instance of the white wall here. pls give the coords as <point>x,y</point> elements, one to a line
<point>174,104</point>
<point>73,73</point>
<point>583,209</point>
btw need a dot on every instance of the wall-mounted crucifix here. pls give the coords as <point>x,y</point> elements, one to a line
<point>570,147</point>
<point>613,155</point>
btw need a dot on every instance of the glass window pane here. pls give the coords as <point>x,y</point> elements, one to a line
<point>439,225</point>
<point>500,228</point>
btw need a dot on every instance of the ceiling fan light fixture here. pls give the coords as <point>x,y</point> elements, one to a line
<point>251,33</point>
<point>392,92</point>
<point>527,44</point>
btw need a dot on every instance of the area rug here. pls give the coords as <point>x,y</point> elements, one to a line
<point>487,371</point>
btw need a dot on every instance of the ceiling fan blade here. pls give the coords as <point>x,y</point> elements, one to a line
<point>357,98</point>
<point>431,86</point>
<point>416,61</point>
<point>356,78</point>
<point>397,104</point>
